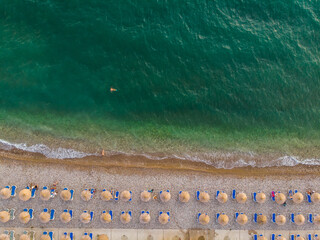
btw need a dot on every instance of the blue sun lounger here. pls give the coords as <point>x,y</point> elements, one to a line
<point>255,217</point>
<point>309,237</point>
<point>310,218</point>
<point>52,212</point>
<point>30,211</point>
<point>292,217</point>
<point>254,196</point>
<point>88,234</point>
<point>236,215</point>
<point>234,192</point>
<point>197,195</point>
<point>13,190</point>
<point>255,236</point>
<point>291,237</point>
<point>11,212</point>
<point>10,233</point>
<point>116,196</point>
<point>309,198</point>
<point>273,217</point>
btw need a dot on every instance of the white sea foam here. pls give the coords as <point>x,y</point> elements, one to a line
<point>215,159</point>
<point>58,153</point>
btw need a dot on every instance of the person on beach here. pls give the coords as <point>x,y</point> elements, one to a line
<point>102,153</point>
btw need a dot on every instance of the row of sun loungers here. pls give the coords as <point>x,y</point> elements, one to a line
<point>107,216</point>
<point>164,195</point>
<point>49,235</point>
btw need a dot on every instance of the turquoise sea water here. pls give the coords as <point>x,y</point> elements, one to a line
<point>193,77</point>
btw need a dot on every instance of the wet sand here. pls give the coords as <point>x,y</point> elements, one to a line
<point>124,164</point>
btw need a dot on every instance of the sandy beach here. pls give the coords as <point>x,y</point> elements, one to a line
<point>17,169</point>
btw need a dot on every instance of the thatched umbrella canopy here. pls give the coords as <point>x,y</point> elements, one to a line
<point>85,217</point>
<point>280,220</point>
<point>44,217</point>
<point>65,217</point>
<point>24,217</point>
<point>5,193</point>
<point>184,197</point>
<point>4,216</point>
<point>223,219</point>
<point>65,195</point>
<point>241,197</point>
<point>105,217</point>
<point>242,219</point>
<point>261,197</point>
<point>164,218</point>
<point>25,195</point>
<point>222,197</point>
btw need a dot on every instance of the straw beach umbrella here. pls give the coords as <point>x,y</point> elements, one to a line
<point>204,219</point>
<point>262,219</point>
<point>241,197</point>
<point>46,237</point>
<point>85,237</point>
<point>165,196</point>
<point>300,238</point>
<point>223,219</point>
<point>65,195</point>
<point>25,195</point>
<point>242,219</point>
<point>261,197</point>
<point>63,237</point>
<point>164,218</point>
<point>145,196</point>
<point>105,217</point>
<point>45,194</point>
<point>125,218</point>
<point>86,195</point>
<point>125,196</point>
<point>280,220</point>
<point>222,197</point>
<point>5,193</point>
<point>4,237</point>
<point>103,237</point>
<point>24,217</point>
<point>316,220</point>
<point>297,198</point>
<point>44,217</point>
<point>184,197</point>
<point>299,219</point>
<point>85,217</point>
<point>145,217</point>
<point>280,198</point>
<point>315,197</point>
<point>65,217</point>
<point>281,238</point>
<point>106,195</point>
<point>4,216</point>
<point>204,197</point>
<point>262,238</point>
<point>24,237</point>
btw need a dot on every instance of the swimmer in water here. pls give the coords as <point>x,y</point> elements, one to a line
<point>113,90</point>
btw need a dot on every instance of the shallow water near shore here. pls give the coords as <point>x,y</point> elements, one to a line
<point>226,83</point>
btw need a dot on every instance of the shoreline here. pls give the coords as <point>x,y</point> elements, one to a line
<point>123,163</point>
